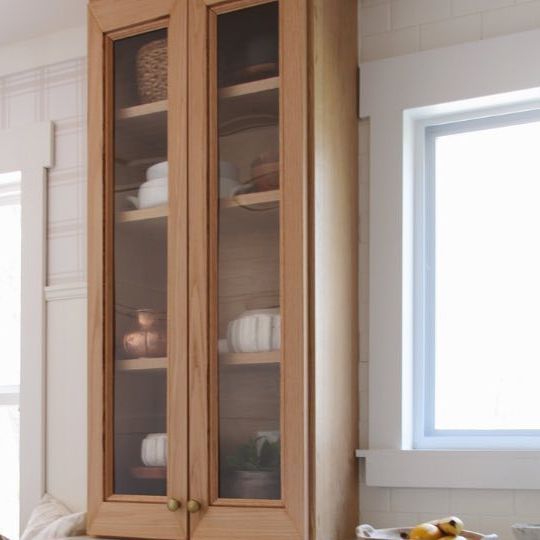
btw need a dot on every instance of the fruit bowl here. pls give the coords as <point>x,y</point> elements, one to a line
<point>367,532</point>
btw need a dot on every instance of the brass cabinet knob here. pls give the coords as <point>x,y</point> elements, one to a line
<point>193,506</point>
<point>173,505</point>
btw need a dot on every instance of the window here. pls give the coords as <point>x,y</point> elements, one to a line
<point>477,285</point>
<point>10,358</point>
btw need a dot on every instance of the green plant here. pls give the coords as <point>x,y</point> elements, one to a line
<point>256,455</point>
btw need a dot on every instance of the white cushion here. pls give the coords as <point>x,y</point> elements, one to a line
<point>52,520</point>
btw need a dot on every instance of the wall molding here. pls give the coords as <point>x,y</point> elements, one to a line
<point>66,291</point>
<point>42,51</point>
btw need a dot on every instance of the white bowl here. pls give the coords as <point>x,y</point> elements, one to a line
<point>228,169</point>
<point>153,193</point>
<point>159,170</point>
<point>154,450</point>
<point>256,330</point>
<point>227,187</point>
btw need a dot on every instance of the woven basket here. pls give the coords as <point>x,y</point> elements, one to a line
<point>152,71</point>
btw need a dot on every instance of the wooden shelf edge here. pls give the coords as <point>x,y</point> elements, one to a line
<point>149,473</point>
<point>142,364</point>
<point>251,359</point>
<point>143,110</point>
<point>253,87</point>
<point>143,214</point>
<point>251,199</point>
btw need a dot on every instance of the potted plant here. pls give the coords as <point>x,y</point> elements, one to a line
<point>253,471</point>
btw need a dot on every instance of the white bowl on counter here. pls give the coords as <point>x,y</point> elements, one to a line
<point>154,450</point>
<point>151,193</point>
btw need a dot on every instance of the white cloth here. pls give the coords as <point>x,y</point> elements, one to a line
<point>52,520</point>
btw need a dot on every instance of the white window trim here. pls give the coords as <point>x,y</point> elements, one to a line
<point>29,149</point>
<point>398,94</point>
<point>425,133</point>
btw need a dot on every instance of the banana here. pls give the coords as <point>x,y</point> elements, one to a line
<point>451,526</point>
<point>425,531</point>
<point>452,538</point>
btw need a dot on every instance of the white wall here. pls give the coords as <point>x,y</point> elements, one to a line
<point>392,28</point>
<point>396,27</point>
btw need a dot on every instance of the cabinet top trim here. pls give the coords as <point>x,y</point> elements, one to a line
<point>112,15</point>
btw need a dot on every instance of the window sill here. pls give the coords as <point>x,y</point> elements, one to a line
<point>476,469</point>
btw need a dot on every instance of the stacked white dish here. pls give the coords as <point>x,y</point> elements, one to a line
<point>256,330</point>
<point>228,179</point>
<point>153,192</point>
<point>154,450</point>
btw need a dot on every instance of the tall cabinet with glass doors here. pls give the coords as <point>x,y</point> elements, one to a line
<point>222,269</point>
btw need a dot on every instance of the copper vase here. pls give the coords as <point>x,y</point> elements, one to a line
<point>150,338</point>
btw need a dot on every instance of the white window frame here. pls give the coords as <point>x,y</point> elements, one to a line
<point>400,96</point>
<point>29,149</point>
<point>425,436</point>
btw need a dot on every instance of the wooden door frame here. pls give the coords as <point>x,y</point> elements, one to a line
<point>119,515</point>
<point>291,520</point>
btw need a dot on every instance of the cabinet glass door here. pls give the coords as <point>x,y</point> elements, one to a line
<point>137,310</point>
<point>245,190</point>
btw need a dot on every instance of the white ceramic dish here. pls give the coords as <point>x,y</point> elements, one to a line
<point>154,450</point>
<point>228,187</point>
<point>228,179</point>
<point>526,531</point>
<point>151,193</point>
<point>367,532</point>
<point>159,170</point>
<point>228,169</point>
<point>255,331</point>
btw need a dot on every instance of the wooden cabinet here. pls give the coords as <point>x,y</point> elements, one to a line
<point>222,269</point>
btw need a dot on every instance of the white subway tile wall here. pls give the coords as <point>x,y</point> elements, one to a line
<point>392,28</point>
<point>57,93</point>
<point>397,27</point>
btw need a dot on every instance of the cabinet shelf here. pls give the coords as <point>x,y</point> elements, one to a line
<point>250,359</point>
<point>249,88</point>
<point>251,199</point>
<point>146,109</point>
<point>141,364</point>
<point>149,473</point>
<point>249,105</point>
<point>143,214</point>
<point>141,132</point>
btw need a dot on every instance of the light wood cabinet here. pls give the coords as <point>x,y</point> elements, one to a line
<point>222,269</point>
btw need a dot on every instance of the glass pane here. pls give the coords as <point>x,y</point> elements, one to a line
<point>10,279</point>
<point>10,361</point>
<point>248,249</point>
<point>140,264</point>
<point>487,296</point>
<point>9,470</point>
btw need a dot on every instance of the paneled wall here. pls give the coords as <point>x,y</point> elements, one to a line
<point>396,27</point>
<point>58,93</point>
